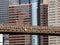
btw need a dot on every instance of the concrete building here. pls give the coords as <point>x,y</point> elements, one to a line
<point>54,13</point>
<point>54,40</point>
<point>54,19</point>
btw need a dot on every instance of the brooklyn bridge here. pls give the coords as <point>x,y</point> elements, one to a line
<point>18,28</point>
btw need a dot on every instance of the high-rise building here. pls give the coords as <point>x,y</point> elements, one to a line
<point>20,39</point>
<point>3,16</point>
<point>43,40</point>
<point>43,20</point>
<point>54,13</point>
<point>30,12</point>
<point>20,14</point>
<point>16,39</point>
<point>54,19</point>
<point>43,14</point>
<point>4,11</point>
<point>54,40</point>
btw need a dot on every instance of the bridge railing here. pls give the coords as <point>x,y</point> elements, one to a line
<point>18,28</point>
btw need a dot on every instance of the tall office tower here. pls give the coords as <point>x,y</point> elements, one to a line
<point>43,39</point>
<point>54,19</point>
<point>20,14</point>
<point>4,11</point>
<point>43,14</point>
<point>3,15</point>
<point>54,40</point>
<point>43,20</point>
<point>54,13</point>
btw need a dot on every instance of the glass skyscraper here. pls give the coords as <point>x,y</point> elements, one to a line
<point>4,11</point>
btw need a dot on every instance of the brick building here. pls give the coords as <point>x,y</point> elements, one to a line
<point>43,15</point>
<point>20,14</point>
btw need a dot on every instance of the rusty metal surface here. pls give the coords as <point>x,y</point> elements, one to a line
<point>28,29</point>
